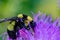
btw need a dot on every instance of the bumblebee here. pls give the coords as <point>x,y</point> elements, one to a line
<point>17,23</point>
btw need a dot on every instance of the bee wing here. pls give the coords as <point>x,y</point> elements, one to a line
<point>7,19</point>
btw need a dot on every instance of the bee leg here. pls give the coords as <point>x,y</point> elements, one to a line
<point>20,26</point>
<point>18,34</point>
<point>32,24</point>
<point>27,27</point>
<point>17,31</point>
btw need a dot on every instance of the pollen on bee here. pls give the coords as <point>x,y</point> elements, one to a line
<point>29,18</point>
<point>20,15</point>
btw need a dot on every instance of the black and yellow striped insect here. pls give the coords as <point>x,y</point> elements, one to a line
<point>17,23</point>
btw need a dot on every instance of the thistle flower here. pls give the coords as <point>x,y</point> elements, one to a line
<point>46,29</point>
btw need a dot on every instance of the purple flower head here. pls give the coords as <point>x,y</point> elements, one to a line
<point>45,29</point>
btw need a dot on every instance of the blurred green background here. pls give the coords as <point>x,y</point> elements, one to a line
<point>10,8</point>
